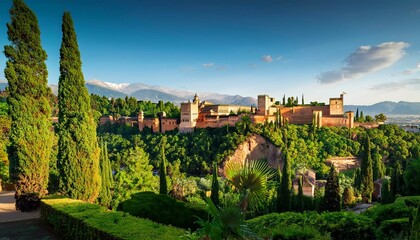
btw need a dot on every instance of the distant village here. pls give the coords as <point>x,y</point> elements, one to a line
<point>203,114</point>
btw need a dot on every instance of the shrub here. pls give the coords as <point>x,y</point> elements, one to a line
<point>73,219</point>
<point>382,212</point>
<point>27,202</point>
<point>295,232</point>
<point>340,225</point>
<point>164,209</point>
<point>394,229</point>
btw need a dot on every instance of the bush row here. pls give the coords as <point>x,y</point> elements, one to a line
<point>73,219</point>
<point>339,225</point>
<point>164,209</point>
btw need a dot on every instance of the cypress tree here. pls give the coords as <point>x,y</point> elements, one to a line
<point>215,186</point>
<point>348,196</point>
<point>300,195</point>
<point>279,176</point>
<point>396,179</point>
<point>105,195</point>
<point>284,100</point>
<point>362,117</point>
<point>386,192</point>
<point>78,151</point>
<point>30,135</point>
<point>163,186</point>
<point>357,179</point>
<point>286,186</point>
<point>332,191</point>
<point>367,172</point>
<point>356,118</point>
<point>303,100</point>
<point>378,165</point>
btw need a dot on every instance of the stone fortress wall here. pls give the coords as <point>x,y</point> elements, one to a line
<point>197,114</point>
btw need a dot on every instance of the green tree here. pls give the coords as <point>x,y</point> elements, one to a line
<point>303,100</point>
<point>105,195</point>
<point>78,151</point>
<point>215,186</point>
<point>332,192</point>
<point>357,179</point>
<point>380,117</point>
<point>163,186</point>
<point>30,134</point>
<point>362,118</point>
<point>367,172</point>
<point>356,118</point>
<point>286,185</point>
<point>134,175</point>
<point>397,179</point>
<point>378,165</point>
<point>284,100</point>
<point>348,197</point>
<point>386,192</point>
<point>300,195</point>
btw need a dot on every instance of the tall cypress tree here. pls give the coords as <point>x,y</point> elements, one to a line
<point>163,186</point>
<point>378,165</point>
<point>78,151</point>
<point>300,195</point>
<point>105,195</point>
<point>215,186</point>
<point>367,172</point>
<point>356,118</point>
<point>286,186</point>
<point>30,134</point>
<point>332,191</point>
<point>396,179</point>
<point>415,230</point>
<point>357,179</point>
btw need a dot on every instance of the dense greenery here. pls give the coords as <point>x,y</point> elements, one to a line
<point>130,106</point>
<point>338,225</point>
<point>26,73</point>
<point>164,209</point>
<point>367,172</point>
<point>73,219</point>
<point>78,151</point>
<point>107,180</point>
<point>332,192</point>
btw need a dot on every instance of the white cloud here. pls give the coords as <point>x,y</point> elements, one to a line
<point>208,65</point>
<point>417,11</point>
<point>365,60</point>
<point>267,58</point>
<point>412,70</point>
<point>396,85</point>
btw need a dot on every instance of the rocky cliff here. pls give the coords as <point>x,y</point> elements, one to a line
<point>255,148</point>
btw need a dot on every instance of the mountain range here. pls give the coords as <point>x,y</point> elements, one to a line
<point>155,93</point>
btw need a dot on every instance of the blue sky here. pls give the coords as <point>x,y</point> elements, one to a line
<point>368,49</point>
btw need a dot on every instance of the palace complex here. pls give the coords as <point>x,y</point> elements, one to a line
<point>197,114</point>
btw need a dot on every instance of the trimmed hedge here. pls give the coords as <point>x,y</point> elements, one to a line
<point>164,209</point>
<point>394,229</point>
<point>74,219</point>
<point>340,225</point>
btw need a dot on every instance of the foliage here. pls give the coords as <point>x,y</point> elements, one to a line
<point>377,165</point>
<point>332,200</point>
<point>26,73</point>
<point>340,225</point>
<point>5,124</point>
<point>397,180</point>
<point>412,177</point>
<point>164,209</point>
<point>250,179</point>
<point>394,229</point>
<point>227,222</point>
<point>348,197</point>
<point>78,151</point>
<point>300,200</point>
<point>381,212</point>
<point>367,172</point>
<point>386,192</point>
<point>163,186</point>
<point>28,202</point>
<point>215,186</point>
<point>285,186</point>
<point>415,230</point>
<point>73,219</point>
<point>134,175</point>
<point>105,196</point>
<point>296,232</point>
